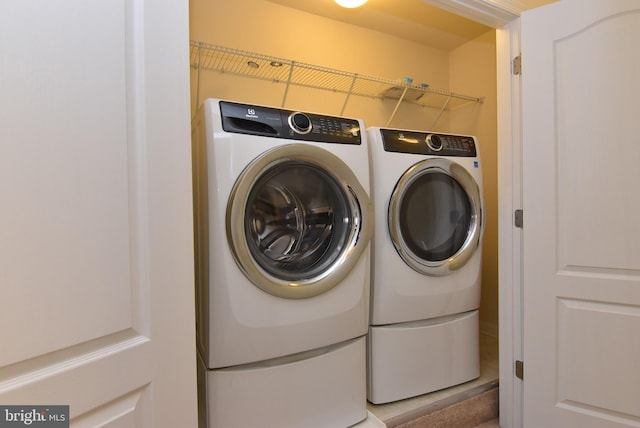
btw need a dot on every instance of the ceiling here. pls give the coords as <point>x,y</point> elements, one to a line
<point>414,20</point>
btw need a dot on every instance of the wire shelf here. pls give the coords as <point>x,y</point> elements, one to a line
<point>221,59</point>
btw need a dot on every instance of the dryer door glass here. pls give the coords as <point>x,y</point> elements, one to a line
<point>436,216</point>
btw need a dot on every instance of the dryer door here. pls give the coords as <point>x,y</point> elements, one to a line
<point>436,216</point>
<point>297,221</point>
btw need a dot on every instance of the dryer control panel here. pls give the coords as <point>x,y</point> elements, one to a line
<point>289,124</point>
<point>428,143</point>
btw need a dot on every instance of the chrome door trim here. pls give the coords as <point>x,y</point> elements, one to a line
<point>358,201</point>
<point>474,234</point>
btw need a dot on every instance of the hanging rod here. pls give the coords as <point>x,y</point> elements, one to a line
<point>204,56</point>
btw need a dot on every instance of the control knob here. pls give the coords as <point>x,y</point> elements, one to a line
<point>434,142</point>
<point>300,123</point>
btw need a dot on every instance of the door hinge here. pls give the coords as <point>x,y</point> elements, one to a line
<point>520,370</point>
<point>517,218</point>
<point>517,65</point>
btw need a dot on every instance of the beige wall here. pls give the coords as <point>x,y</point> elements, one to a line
<point>270,29</point>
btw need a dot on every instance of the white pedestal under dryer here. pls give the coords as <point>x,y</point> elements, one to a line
<point>426,269</point>
<point>283,221</point>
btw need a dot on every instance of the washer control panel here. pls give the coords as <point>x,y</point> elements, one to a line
<point>428,143</point>
<point>293,125</point>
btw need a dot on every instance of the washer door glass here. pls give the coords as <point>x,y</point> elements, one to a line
<point>295,221</point>
<point>435,216</point>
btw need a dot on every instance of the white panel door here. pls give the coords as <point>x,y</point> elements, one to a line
<point>581,172</point>
<point>96,309</point>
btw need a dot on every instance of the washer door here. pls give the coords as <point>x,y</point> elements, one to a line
<point>436,216</point>
<point>298,220</point>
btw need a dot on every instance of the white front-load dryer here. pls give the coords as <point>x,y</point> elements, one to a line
<point>283,222</point>
<point>426,268</point>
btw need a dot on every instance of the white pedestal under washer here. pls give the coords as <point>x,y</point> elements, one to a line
<point>426,268</point>
<point>283,222</point>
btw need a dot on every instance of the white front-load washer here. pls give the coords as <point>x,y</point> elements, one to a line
<point>426,262</point>
<point>283,221</point>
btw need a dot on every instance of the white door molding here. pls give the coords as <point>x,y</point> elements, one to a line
<point>493,13</point>
<point>509,237</point>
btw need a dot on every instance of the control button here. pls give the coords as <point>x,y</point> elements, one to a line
<point>434,142</point>
<point>351,129</point>
<point>300,123</point>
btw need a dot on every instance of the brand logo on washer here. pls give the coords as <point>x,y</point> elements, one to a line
<point>251,113</point>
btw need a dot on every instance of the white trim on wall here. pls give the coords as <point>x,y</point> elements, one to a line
<point>493,13</point>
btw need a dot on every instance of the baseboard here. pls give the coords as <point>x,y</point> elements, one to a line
<point>489,329</point>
